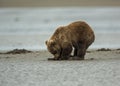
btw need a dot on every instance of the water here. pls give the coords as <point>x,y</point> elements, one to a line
<point>29,28</point>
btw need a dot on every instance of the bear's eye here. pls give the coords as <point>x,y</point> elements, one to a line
<point>53,44</point>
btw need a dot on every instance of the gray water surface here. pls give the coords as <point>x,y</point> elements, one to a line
<point>29,27</point>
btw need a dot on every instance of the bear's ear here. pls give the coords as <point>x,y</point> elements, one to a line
<point>46,42</point>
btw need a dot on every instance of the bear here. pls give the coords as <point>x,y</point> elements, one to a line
<point>77,35</point>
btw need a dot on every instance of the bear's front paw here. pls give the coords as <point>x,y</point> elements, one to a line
<point>50,58</point>
<point>53,59</point>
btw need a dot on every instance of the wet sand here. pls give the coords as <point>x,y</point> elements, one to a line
<point>100,68</point>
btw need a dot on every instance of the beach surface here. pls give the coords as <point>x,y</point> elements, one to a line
<point>100,68</point>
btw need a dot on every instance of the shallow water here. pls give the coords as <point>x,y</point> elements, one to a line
<point>29,27</point>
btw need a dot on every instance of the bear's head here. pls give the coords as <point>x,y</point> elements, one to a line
<point>54,48</point>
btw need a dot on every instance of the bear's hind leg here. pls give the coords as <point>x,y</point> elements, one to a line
<point>81,51</point>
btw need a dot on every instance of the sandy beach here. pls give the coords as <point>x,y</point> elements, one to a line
<point>100,68</point>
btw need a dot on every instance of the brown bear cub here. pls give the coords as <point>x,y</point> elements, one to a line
<point>77,35</point>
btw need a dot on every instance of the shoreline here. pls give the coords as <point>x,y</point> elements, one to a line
<point>91,54</point>
<point>24,51</point>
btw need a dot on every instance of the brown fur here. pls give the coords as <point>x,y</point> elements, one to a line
<point>77,34</point>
